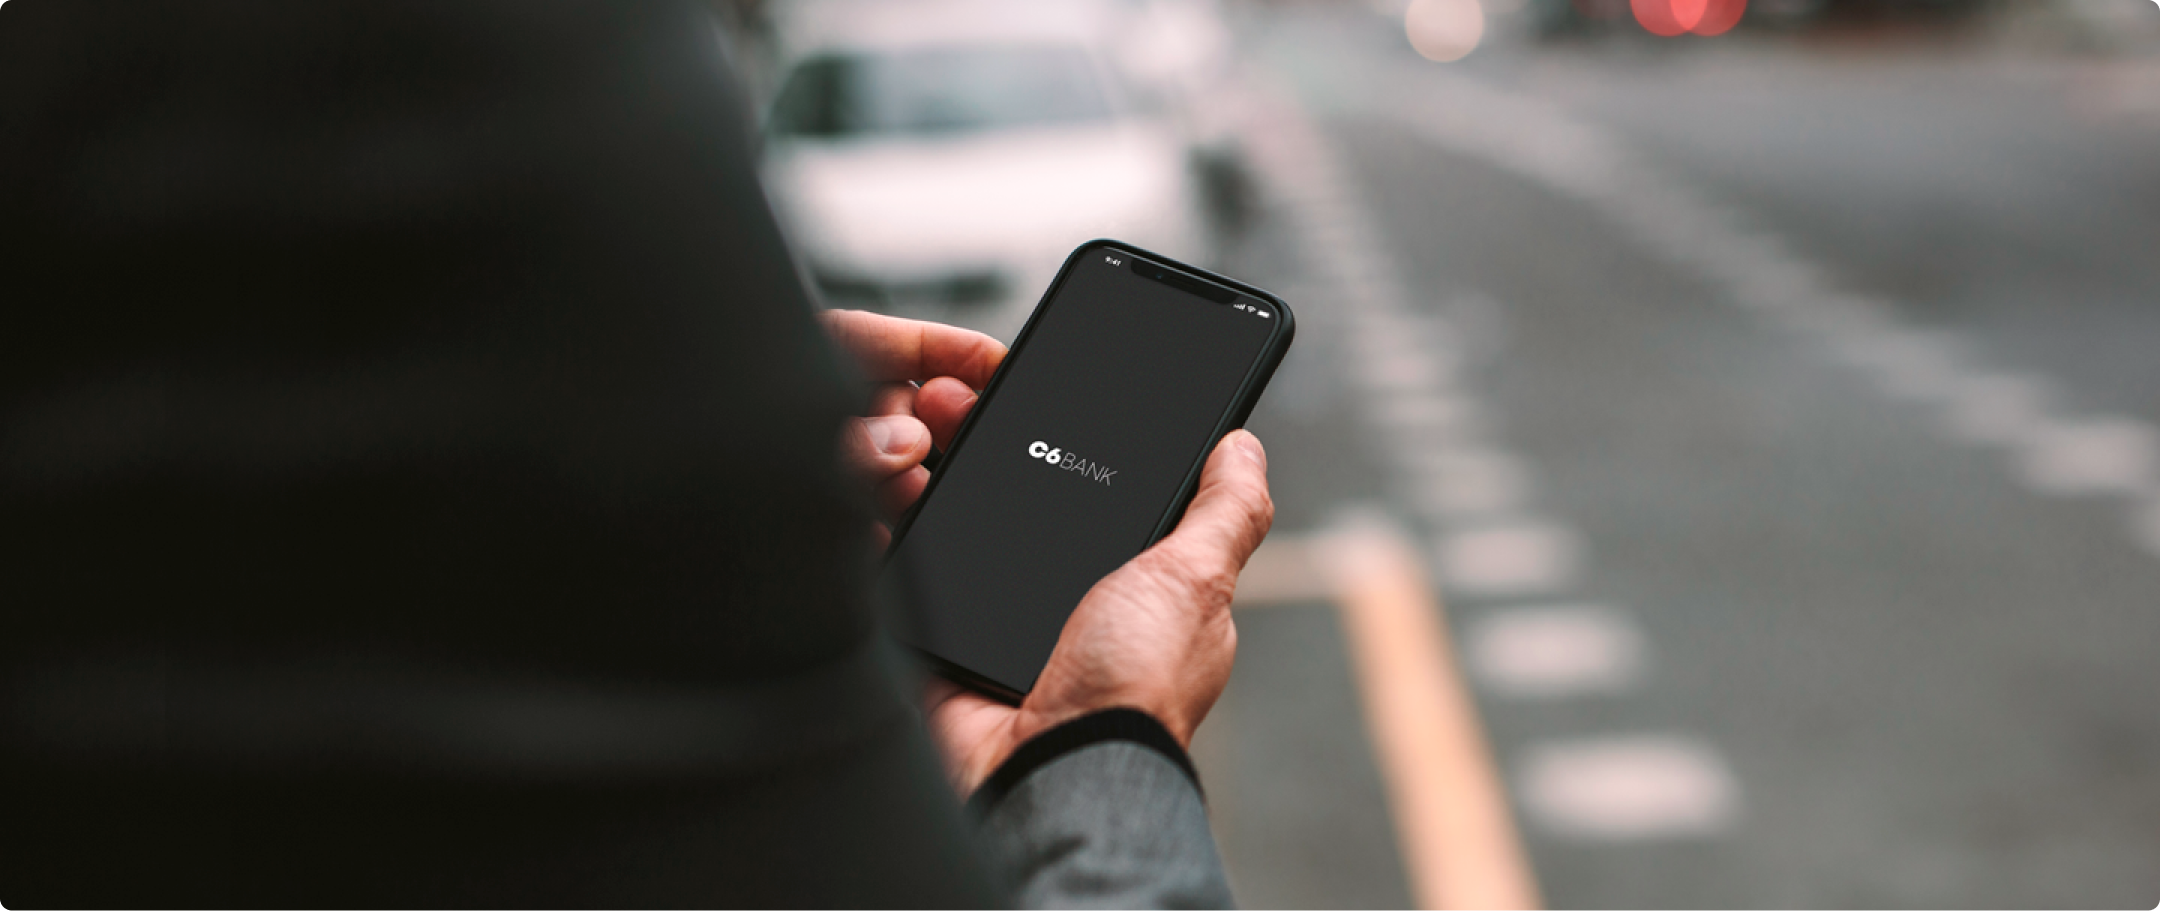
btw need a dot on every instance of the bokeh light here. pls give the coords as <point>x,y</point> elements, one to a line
<point>1719,16</point>
<point>1658,17</point>
<point>1445,30</point>
<point>1672,18</point>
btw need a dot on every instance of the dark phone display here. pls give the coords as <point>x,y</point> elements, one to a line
<point>1111,400</point>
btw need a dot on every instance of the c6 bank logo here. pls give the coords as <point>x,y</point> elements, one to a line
<point>1093,471</point>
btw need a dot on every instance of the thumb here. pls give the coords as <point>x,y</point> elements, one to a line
<point>881,447</point>
<point>1232,510</point>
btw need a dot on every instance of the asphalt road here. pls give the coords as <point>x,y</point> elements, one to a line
<point>1803,536</point>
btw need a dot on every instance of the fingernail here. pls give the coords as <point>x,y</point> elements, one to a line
<point>1250,446</point>
<point>893,435</point>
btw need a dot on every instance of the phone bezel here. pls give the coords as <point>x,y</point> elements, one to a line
<point>1241,406</point>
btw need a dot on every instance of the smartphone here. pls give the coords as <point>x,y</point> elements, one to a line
<point>1084,449</point>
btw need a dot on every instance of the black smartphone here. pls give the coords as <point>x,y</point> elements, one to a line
<point>1084,449</point>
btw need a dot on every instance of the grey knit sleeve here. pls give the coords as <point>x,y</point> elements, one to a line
<point>1104,812</point>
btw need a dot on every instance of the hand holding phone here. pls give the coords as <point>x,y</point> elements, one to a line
<point>1085,449</point>
<point>1019,547</point>
<point>1155,635</point>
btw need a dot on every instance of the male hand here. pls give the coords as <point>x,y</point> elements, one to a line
<point>927,376</point>
<point>1155,635</point>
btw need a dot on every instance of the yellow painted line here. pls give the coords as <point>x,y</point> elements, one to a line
<point>1285,570</point>
<point>1455,829</point>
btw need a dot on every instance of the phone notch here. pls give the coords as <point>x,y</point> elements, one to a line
<point>1182,282</point>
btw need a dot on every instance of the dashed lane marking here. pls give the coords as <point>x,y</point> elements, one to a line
<point>1478,500</point>
<point>1400,371</point>
<point>1555,651</point>
<point>1632,788</point>
<point>1997,409</point>
<point>1907,364</point>
<point>1454,823</point>
<point>2106,456</point>
<point>1454,826</point>
<point>1424,413</point>
<point>1467,483</point>
<point>2052,453</point>
<point>1452,818</point>
<point>1517,559</point>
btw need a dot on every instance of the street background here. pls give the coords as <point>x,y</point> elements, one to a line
<point>1774,411</point>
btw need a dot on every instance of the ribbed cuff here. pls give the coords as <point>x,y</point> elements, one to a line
<point>1126,724</point>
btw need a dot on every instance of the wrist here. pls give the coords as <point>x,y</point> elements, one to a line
<point>974,761</point>
<point>1121,724</point>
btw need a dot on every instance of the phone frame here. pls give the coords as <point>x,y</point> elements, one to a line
<point>1241,406</point>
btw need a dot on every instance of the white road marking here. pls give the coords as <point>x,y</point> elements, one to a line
<point>1646,787</point>
<point>1383,323</point>
<point>1455,829</point>
<point>1458,483</point>
<point>1405,371</point>
<point>1424,414</point>
<point>1775,283</point>
<point>1997,410</point>
<point>1909,364</point>
<point>2098,456</point>
<point>1836,316</point>
<point>1629,789</point>
<point>1555,651</point>
<point>1393,335</point>
<point>1761,271</point>
<point>1406,361</point>
<point>1522,558</point>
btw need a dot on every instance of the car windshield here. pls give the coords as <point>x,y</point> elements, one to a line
<point>938,90</point>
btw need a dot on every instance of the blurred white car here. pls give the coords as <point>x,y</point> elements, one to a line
<point>939,158</point>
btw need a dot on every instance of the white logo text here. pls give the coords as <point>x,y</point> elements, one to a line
<point>1093,471</point>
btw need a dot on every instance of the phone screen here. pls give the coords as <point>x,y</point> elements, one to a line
<point>1108,403</point>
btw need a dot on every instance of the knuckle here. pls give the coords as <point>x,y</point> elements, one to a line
<point>864,445</point>
<point>1254,502</point>
<point>855,441</point>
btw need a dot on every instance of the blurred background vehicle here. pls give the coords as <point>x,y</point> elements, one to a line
<point>938,158</point>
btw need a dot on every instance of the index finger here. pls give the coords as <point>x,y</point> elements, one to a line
<point>889,348</point>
